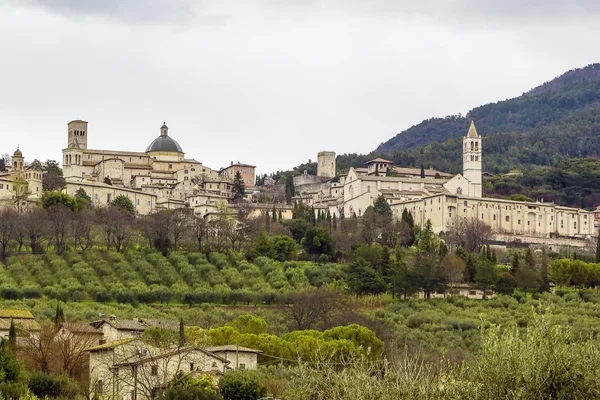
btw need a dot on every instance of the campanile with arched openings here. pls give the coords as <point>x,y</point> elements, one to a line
<point>472,160</point>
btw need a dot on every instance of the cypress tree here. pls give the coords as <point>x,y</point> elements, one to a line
<point>515,264</point>
<point>12,335</point>
<point>598,250</point>
<point>181,333</point>
<point>274,214</point>
<point>334,223</point>
<point>59,316</point>
<point>471,268</point>
<point>238,190</point>
<point>529,258</point>
<point>545,282</point>
<point>422,171</point>
<point>280,216</point>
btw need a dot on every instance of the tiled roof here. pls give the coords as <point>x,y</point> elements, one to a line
<point>170,353</point>
<point>25,324</point>
<point>232,347</point>
<point>111,345</point>
<point>80,327</point>
<point>137,324</point>
<point>12,313</point>
<point>167,324</point>
<point>379,160</point>
<point>438,181</point>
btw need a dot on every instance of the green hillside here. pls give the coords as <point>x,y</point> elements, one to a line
<point>543,105</point>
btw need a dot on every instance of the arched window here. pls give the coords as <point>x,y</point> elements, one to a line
<point>458,190</point>
<point>476,146</point>
<point>472,145</point>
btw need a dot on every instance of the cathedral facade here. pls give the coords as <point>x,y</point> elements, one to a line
<point>161,177</point>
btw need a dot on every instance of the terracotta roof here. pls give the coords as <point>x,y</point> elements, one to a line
<point>167,324</point>
<point>111,345</point>
<point>237,165</point>
<point>14,313</point>
<point>232,347</point>
<point>137,324</point>
<point>379,160</point>
<point>438,181</point>
<point>24,324</point>
<point>81,327</point>
<point>170,353</point>
<point>417,171</point>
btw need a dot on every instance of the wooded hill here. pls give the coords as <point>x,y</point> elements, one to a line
<point>551,134</point>
<point>543,105</point>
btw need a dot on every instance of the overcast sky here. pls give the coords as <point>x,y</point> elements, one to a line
<point>270,82</point>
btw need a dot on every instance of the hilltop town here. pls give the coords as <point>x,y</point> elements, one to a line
<point>162,178</point>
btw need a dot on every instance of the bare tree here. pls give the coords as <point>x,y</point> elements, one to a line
<point>81,227</point>
<point>19,231</point>
<point>313,308</point>
<point>219,229</point>
<point>199,230</point>
<point>180,225</point>
<point>59,218</point>
<point>39,348</point>
<point>452,268</point>
<point>116,226</point>
<point>157,229</point>
<point>35,225</point>
<point>71,343</point>
<point>7,224</point>
<point>469,233</point>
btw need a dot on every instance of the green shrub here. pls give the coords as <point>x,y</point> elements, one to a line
<point>52,386</point>
<point>188,393</point>
<point>242,385</point>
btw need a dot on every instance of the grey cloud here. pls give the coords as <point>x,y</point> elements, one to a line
<point>130,11</point>
<point>471,11</point>
<point>474,12</point>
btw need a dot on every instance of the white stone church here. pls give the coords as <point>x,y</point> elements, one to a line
<point>442,198</point>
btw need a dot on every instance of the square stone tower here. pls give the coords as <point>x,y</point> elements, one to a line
<point>77,134</point>
<point>326,164</point>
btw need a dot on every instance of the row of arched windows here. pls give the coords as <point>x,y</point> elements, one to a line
<point>69,159</point>
<point>474,146</point>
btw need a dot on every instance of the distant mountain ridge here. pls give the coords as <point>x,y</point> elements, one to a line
<point>550,102</point>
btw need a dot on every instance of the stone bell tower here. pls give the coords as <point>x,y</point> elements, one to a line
<point>77,134</point>
<point>472,160</point>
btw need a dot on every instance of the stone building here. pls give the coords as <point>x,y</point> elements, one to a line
<point>516,218</point>
<point>442,197</point>
<point>20,186</point>
<point>160,177</point>
<point>131,369</point>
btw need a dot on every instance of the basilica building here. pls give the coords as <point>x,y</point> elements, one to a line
<point>443,198</point>
<point>161,177</point>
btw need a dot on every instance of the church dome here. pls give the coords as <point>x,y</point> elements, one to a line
<point>18,153</point>
<point>164,142</point>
